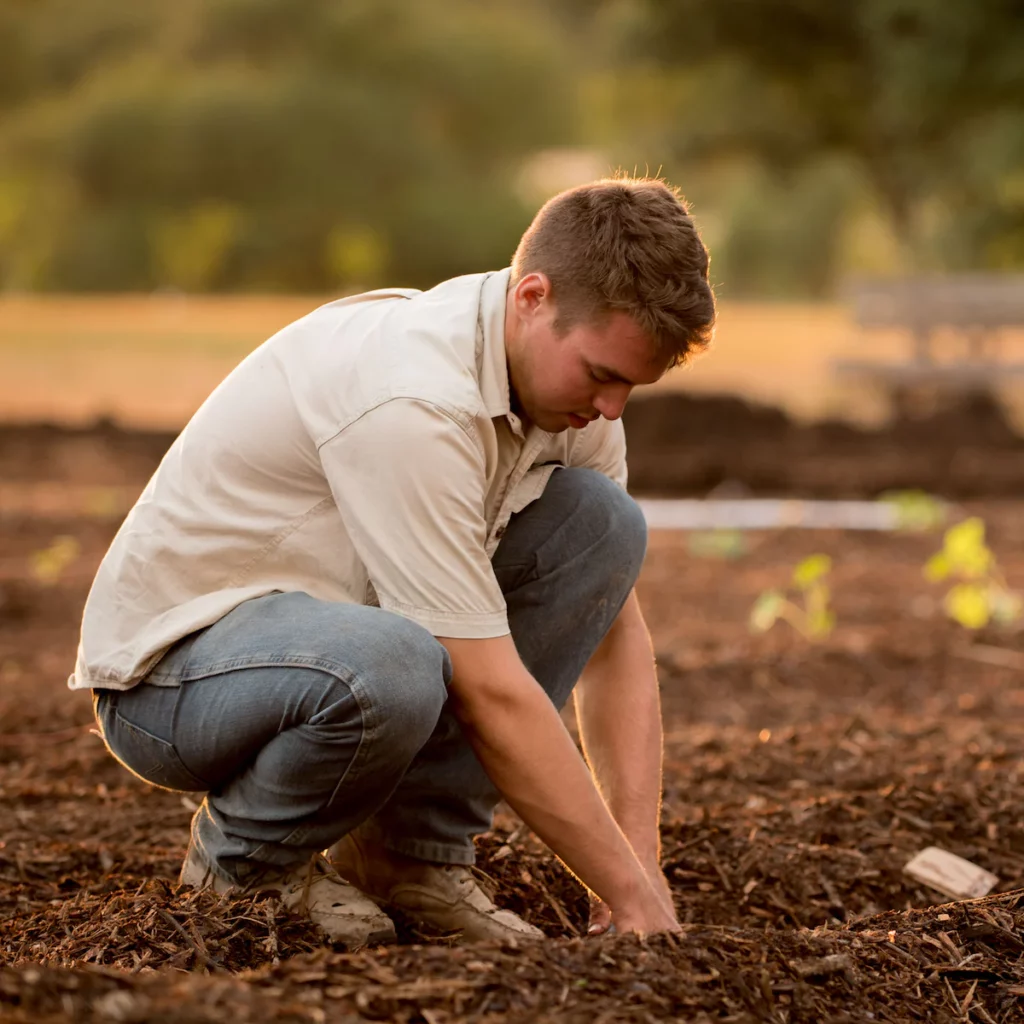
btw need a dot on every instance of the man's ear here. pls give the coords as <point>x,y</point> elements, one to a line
<point>531,292</point>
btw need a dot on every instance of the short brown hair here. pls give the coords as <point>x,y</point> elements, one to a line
<point>624,245</point>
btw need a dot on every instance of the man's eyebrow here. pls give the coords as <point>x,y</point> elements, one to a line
<point>612,373</point>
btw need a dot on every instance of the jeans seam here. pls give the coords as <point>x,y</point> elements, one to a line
<point>369,724</point>
<point>331,667</point>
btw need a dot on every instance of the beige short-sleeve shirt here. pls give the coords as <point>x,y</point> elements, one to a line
<point>366,453</point>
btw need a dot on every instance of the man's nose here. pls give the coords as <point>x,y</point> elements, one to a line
<point>611,401</point>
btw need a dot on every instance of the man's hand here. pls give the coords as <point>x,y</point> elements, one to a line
<point>601,917</point>
<point>653,917</point>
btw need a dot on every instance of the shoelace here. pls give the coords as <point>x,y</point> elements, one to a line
<point>484,880</point>
<point>318,864</point>
<point>271,878</point>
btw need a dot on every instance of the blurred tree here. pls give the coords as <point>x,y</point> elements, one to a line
<point>15,70</point>
<point>356,253</point>
<point>189,251</point>
<point>910,89</point>
<point>371,141</point>
<point>797,219</point>
<point>288,144</point>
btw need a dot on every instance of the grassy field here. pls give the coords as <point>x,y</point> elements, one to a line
<point>151,360</point>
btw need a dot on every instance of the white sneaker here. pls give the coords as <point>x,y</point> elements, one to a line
<point>313,890</point>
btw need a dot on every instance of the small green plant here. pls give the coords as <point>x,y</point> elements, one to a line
<point>810,615</point>
<point>49,564</point>
<point>725,544</point>
<point>980,593</point>
<point>916,510</point>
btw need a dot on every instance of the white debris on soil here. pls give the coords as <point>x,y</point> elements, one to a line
<point>951,875</point>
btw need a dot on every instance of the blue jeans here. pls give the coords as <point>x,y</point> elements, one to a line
<point>302,718</point>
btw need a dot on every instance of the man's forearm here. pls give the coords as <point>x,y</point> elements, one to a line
<point>619,713</point>
<point>568,814</point>
<point>524,747</point>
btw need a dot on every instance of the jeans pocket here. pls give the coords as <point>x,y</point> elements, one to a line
<point>150,758</point>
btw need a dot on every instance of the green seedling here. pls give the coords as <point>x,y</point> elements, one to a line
<point>980,593</point>
<point>810,614</point>
<point>725,544</point>
<point>916,511</point>
<point>49,564</point>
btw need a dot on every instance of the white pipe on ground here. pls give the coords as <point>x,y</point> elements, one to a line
<point>769,514</point>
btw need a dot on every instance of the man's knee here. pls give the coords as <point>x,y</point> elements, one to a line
<point>602,516</point>
<point>402,694</point>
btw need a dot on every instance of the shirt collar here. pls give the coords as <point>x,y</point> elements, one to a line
<point>491,358</point>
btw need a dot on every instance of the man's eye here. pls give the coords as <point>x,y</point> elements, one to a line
<point>594,376</point>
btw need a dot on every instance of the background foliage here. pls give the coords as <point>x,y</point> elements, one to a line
<point>320,145</point>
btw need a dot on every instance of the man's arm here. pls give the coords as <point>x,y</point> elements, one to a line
<point>619,713</point>
<point>525,749</point>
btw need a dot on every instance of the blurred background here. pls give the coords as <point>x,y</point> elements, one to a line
<point>179,180</point>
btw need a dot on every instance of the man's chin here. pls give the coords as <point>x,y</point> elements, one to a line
<point>553,423</point>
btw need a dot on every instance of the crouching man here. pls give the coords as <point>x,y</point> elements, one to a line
<point>376,562</point>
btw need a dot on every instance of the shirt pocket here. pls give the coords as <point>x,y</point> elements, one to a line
<point>530,488</point>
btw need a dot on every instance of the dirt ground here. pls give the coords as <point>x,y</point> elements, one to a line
<point>799,780</point>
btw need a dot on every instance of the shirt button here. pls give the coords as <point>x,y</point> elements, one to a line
<point>499,532</point>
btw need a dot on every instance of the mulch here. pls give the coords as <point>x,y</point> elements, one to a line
<point>799,780</point>
<point>959,962</point>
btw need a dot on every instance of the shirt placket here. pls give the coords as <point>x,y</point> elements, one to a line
<point>533,444</point>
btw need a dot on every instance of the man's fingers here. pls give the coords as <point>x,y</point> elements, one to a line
<point>600,917</point>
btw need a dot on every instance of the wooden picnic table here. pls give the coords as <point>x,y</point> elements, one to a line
<point>975,308</point>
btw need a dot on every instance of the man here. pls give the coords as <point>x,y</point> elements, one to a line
<point>352,598</point>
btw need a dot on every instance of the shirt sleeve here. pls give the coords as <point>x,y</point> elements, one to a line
<point>409,482</point>
<point>602,446</point>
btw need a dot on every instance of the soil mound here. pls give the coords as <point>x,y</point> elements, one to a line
<point>688,445</point>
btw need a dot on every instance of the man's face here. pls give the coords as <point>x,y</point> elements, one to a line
<point>568,380</point>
